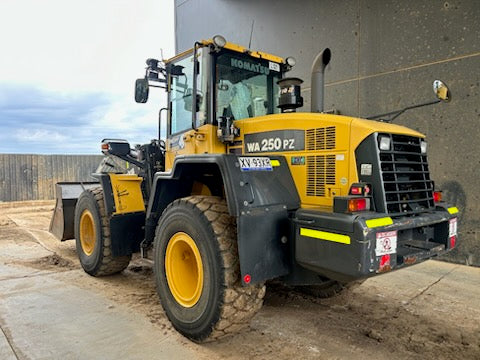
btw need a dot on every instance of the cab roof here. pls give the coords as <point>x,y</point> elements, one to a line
<point>232,47</point>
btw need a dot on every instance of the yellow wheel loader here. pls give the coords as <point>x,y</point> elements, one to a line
<point>245,190</point>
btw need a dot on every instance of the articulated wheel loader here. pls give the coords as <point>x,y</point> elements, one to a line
<point>245,190</point>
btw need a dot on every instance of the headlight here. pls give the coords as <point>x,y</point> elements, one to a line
<point>423,147</point>
<point>290,61</point>
<point>219,41</point>
<point>384,142</point>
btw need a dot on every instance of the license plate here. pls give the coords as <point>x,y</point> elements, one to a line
<point>452,228</point>
<point>255,163</point>
<point>386,243</point>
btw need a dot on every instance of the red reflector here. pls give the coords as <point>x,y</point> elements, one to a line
<point>385,260</point>
<point>437,196</point>
<point>357,204</point>
<point>384,263</point>
<point>356,191</point>
<point>453,239</point>
<point>247,278</point>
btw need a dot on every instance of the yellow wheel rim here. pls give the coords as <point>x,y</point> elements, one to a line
<point>87,232</point>
<point>184,269</point>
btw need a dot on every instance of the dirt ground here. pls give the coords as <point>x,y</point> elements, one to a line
<point>428,311</point>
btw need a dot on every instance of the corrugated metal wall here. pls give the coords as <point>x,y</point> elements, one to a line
<point>385,56</point>
<point>33,177</point>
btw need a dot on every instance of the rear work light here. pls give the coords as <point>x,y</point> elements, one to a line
<point>349,204</point>
<point>384,142</point>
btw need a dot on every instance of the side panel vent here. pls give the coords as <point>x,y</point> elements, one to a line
<point>320,172</point>
<point>321,138</point>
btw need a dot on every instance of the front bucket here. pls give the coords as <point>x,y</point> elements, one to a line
<point>67,193</point>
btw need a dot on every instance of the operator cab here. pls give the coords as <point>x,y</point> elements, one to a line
<point>228,82</point>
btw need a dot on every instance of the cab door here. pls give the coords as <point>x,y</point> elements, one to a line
<point>181,138</point>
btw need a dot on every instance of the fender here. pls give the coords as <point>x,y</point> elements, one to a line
<point>125,209</point>
<point>260,200</point>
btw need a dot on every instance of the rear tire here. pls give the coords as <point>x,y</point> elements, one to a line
<point>329,288</point>
<point>92,236</point>
<point>197,270</point>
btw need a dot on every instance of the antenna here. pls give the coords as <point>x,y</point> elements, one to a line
<point>251,35</point>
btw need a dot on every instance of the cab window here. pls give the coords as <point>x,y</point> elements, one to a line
<point>181,99</point>
<point>246,86</point>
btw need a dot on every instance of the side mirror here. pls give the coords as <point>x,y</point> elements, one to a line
<point>115,147</point>
<point>188,99</point>
<point>441,90</point>
<point>141,90</point>
<point>176,70</point>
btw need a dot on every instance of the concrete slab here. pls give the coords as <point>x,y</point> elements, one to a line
<point>47,319</point>
<point>6,352</point>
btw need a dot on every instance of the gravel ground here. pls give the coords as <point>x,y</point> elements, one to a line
<point>428,311</point>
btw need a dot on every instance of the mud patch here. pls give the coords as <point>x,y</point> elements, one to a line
<point>141,270</point>
<point>6,221</point>
<point>52,262</point>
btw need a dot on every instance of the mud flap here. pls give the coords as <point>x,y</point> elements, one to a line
<point>62,223</point>
<point>263,233</point>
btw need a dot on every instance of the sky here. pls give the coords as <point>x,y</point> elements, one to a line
<point>68,68</point>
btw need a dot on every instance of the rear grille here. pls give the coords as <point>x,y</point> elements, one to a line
<point>320,172</point>
<point>321,138</point>
<point>406,178</point>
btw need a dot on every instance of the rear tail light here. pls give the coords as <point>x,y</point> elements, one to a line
<point>360,204</point>
<point>437,196</point>
<point>349,204</point>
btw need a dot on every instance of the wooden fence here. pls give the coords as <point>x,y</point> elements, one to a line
<point>33,177</point>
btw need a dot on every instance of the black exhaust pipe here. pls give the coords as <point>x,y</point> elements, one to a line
<point>318,75</point>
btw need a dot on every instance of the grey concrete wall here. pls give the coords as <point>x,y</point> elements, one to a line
<point>385,55</point>
<point>33,177</point>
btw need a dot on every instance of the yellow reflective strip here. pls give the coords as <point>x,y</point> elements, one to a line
<point>275,162</point>
<point>323,235</point>
<point>379,222</point>
<point>453,210</point>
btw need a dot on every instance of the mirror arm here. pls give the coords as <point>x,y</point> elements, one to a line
<point>130,159</point>
<point>394,114</point>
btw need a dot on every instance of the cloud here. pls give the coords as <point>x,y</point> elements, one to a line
<point>38,136</point>
<point>67,72</point>
<point>34,120</point>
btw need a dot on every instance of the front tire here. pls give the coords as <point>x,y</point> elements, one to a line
<point>197,270</point>
<point>92,236</point>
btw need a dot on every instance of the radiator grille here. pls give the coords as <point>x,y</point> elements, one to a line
<point>406,177</point>
<point>321,138</point>
<point>320,172</point>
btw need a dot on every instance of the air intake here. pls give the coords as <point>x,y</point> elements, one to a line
<point>320,172</point>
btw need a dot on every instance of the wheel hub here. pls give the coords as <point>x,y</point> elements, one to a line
<point>87,232</point>
<point>184,269</point>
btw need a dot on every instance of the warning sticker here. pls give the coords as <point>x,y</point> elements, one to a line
<point>452,227</point>
<point>386,243</point>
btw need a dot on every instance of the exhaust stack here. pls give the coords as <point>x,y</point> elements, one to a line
<point>318,74</point>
